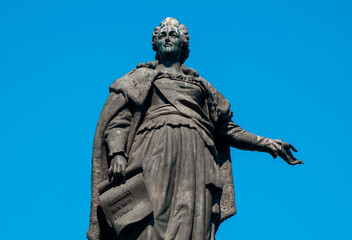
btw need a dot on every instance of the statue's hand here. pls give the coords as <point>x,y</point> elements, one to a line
<point>117,170</point>
<point>284,151</point>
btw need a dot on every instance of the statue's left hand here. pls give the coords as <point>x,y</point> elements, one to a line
<point>286,154</point>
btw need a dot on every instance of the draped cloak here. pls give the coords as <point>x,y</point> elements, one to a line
<point>134,90</point>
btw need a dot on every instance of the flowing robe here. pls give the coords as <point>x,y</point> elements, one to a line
<point>177,132</point>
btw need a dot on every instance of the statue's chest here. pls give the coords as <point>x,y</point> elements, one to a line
<point>178,90</point>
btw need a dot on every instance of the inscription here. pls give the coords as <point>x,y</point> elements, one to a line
<point>125,203</point>
<point>122,206</point>
<point>119,198</point>
<point>125,211</point>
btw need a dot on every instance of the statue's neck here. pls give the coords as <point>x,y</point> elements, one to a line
<point>170,67</point>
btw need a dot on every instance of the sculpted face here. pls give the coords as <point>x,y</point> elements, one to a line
<point>169,43</point>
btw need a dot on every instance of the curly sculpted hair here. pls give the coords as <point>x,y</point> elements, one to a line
<point>169,21</point>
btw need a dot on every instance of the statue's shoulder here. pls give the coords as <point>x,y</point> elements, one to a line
<point>191,72</point>
<point>141,75</point>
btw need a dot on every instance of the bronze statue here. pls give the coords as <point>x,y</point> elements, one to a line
<point>161,162</point>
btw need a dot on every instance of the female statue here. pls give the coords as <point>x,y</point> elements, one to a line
<point>166,122</point>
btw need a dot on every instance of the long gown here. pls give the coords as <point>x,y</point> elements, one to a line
<point>177,165</point>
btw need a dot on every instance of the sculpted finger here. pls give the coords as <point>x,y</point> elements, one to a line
<point>123,175</point>
<point>110,173</point>
<point>294,162</point>
<point>115,172</point>
<point>119,173</point>
<point>119,168</point>
<point>293,148</point>
<point>299,161</point>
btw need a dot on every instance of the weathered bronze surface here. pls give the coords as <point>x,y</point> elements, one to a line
<point>161,165</point>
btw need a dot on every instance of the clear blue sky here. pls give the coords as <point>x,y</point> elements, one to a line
<point>286,67</point>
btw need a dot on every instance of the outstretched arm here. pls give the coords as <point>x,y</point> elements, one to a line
<point>237,137</point>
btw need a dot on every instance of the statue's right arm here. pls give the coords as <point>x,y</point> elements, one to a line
<point>239,138</point>
<point>242,139</point>
<point>116,135</point>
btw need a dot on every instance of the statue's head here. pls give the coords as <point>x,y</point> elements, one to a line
<point>170,30</point>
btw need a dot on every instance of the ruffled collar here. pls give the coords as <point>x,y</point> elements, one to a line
<point>153,65</point>
<point>177,77</point>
